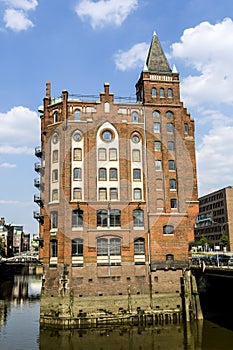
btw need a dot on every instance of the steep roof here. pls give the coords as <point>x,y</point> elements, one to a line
<point>156,60</point>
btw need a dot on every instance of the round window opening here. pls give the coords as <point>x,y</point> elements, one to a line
<point>135,138</point>
<point>55,138</point>
<point>107,136</point>
<point>77,137</point>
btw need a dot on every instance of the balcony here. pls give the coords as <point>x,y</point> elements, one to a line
<point>38,200</point>
<point>38,152</point>
<point>38,168</point>
<point>38,217</point>
<point>37,183</point>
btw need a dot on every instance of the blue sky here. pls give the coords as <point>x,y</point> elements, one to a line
<point>80,44</point>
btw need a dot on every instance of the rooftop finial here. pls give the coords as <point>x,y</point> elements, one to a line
<point>154,34</point>
<point>174,69</point>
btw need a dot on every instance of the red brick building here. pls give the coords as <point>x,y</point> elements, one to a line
<point>118,189</point>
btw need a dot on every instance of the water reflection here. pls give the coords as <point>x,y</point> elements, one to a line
<point>19,328</point>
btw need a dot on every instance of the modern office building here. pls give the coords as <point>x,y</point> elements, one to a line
<point>215,218</point>
<point>118,190</point>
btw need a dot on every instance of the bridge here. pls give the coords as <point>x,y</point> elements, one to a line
<point>214,285</point>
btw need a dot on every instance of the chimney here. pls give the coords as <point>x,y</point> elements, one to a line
<point>3,221</point>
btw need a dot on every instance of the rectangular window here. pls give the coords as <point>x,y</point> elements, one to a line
<point>102,154</point>
<point>112,174</point>
<point>156,127</point>
<point>137,174</point>
<point>77,154</point>
<point>55,156</point>
<point>77,247</point>
<point>53,248</point>
<point>102,174</point>
<point>55,195</point>
<point>171,165</point>
<point>77,174</point>
<point>112,154</point>
<point>158,165</point>
<point>157,146</point>
<point>77,193</point>
<point>113,194</point>
<point>54,219</point>
<point>137,193</point>
<point>77,218</point>
<point>170,127</point>
<point>102,194</point>
<point>139,246</point>
<point>173,203</point>
<point>136,155</point>
<point>55,175</point>
<point>171,146</point>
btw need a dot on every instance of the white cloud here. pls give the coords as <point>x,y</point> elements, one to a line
<point>17,20</point>
<point>25,5</point>
<point>20,128</point>
<point>7,165</point>
<point>133,58</point>
<point>16,150</point>
<point>105,12</point>
<point>214,159</point>
<point>207,49</point>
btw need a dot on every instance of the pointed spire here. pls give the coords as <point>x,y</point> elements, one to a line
<point>156,59</point>
<point>174,69</point>
<point>145,69</point>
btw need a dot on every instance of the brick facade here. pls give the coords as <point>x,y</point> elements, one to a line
<point>149,151</point>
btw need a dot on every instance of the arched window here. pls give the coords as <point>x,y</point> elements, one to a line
<point>77,218</point>
<point>169,114</point>
<point>153,92</point>
<point>161,92</point>
<point>156,114</point>
<point>138,218</point>
<point>172,184</point>
<point>135,117</point>
<point>169,93</point>
<point>55,117</point>
<point>77,247</point>
<point>186,128</point>
<point>168,229</point>
<point>77,114</point>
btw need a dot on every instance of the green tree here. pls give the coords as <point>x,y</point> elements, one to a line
<point>224,241</point>
<point>2,248</point>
